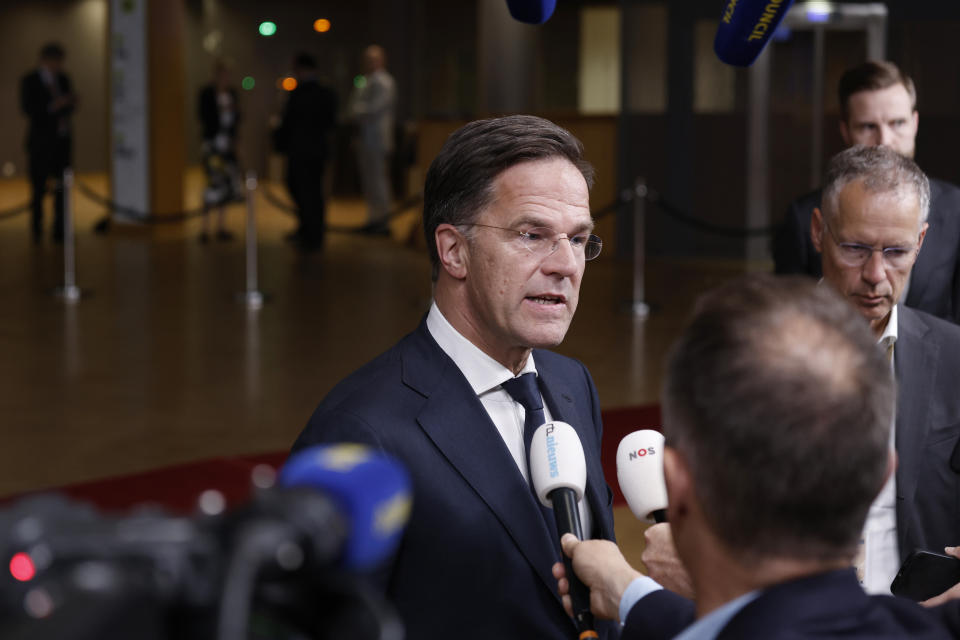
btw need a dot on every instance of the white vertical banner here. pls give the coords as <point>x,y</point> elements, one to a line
<point>130,117</point>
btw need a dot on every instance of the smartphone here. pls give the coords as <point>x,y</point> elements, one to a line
<point>925,574</point>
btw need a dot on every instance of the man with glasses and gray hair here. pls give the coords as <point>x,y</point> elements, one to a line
<point>508,227</point>
<point>869,231</point>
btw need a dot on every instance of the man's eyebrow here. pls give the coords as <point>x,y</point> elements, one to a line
<point>535,221</point>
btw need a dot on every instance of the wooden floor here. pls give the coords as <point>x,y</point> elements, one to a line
<point>159,363</point>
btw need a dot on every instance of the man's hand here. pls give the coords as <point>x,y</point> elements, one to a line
<point>602,568</point>
<point>953,593</point>
<point>663,563</point>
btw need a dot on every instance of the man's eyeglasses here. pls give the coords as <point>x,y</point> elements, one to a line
<point>543,241</point>
<point>854,254</point>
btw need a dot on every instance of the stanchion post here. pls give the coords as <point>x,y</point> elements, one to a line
<point>638,306</point>
<point>252,296</point>
<point>70,292</point>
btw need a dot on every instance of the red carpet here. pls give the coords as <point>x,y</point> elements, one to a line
<point>176,488</point>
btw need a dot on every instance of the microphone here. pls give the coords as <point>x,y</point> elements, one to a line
<point>558,471</point>
<point>745,28</point>
<point>370,491</point>
<point>640,474</point>
<point>531,11</point>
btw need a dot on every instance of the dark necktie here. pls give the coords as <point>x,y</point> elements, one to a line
<point>524,390</point>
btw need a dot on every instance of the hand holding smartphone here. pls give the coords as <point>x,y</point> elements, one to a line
<point>925,574</point>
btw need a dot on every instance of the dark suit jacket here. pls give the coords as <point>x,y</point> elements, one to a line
<point>43,133</point>
<point>927,363</point>
<point>476,558</point>
<point>827,605</point>
<point>935,281</point>
<point>309,116</point>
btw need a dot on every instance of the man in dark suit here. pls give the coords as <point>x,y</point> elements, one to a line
<point>507,221</point>
<point>47,99</point>
<point>777,412</point>
<point>870,231</point>
<point>878,107</point>
<point>308,120</point>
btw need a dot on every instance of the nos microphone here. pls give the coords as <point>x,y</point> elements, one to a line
<point>558,471</point>
<point>640,474</point>
<point>370,491</point>
<point>745,28</point>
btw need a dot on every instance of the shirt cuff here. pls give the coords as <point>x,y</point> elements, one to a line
<point>636,590</point>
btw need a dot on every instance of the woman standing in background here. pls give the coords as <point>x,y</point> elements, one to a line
<point>219,116</point>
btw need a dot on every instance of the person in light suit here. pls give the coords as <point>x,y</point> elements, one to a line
<point>508,226</point>
<point>372,105</point>
<point>777,413</point>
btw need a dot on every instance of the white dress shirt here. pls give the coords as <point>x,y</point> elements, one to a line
<point>880,546</point>
<point>485,375</point>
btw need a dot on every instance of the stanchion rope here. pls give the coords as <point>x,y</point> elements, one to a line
<point>13,212</point>
<point>289,208</point>
<point>674,212</point>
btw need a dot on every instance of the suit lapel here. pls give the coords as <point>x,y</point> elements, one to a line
<point>915,365</point>
<point>455,420</point>
<point>560,400</point>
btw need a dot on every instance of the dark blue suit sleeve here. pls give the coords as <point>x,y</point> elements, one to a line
<point>658,616</point>
<point>328,427</point>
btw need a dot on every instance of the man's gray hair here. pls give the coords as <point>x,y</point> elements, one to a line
<point>881,169</point>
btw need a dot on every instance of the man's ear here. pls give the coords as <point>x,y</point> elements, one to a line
<point>845,133</point>
<point>452,250</point>
<point>679,481</point>
<point>816,229</point>
<point>923,234</point>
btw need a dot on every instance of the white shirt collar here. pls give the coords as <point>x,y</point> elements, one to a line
<point>481,371</point>
<point>709,626</point>
<point>889,336</point>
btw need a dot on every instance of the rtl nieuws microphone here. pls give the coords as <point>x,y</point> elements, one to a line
<point>558,471</point>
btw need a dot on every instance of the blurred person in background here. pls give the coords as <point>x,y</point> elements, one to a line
<point>47,99</point>
<point>372,106</point>
<point>309,119</point>
<point>219,116</point>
